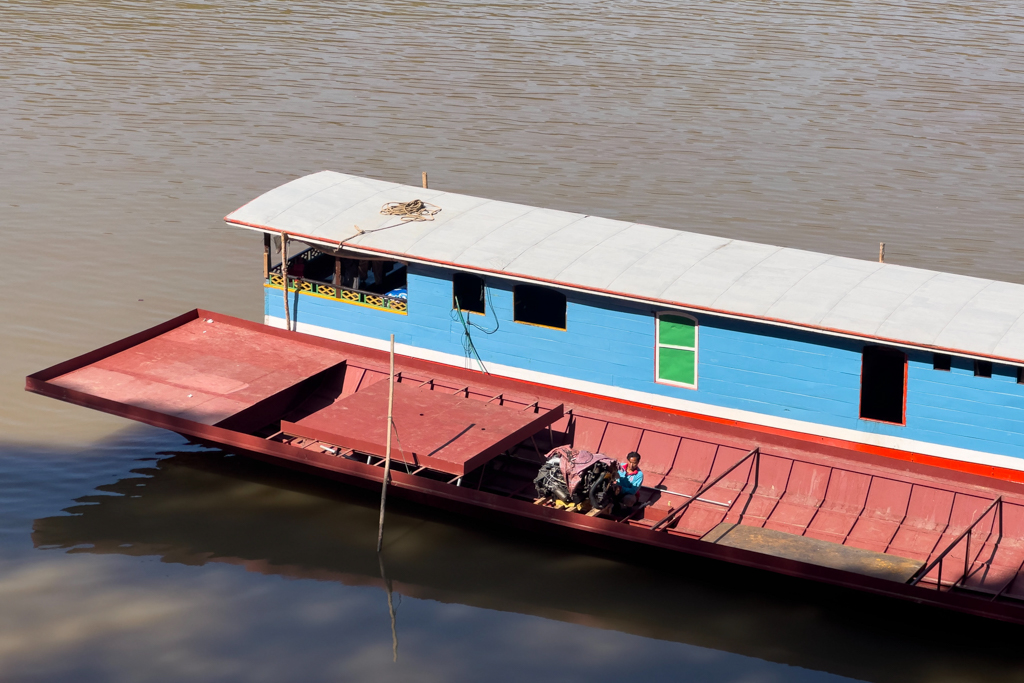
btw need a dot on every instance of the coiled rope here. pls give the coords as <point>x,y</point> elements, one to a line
<point>416,210</point>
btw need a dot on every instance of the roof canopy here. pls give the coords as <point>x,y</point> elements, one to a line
<point>909,306</point>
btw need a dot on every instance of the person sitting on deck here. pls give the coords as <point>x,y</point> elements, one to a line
<point>631,478</point>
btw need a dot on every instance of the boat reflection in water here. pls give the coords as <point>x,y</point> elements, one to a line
<point>194,508</point>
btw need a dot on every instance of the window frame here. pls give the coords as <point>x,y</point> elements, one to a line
<point>565,299</point>
<point>658,346</point>
<point>483,287</point>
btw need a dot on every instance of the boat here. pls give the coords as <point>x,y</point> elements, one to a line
<point>853,423</point>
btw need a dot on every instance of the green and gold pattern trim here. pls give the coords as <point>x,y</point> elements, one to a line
<point>324,290</point>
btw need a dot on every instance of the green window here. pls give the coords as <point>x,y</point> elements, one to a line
<point>676,360</point>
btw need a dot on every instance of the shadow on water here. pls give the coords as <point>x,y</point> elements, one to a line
<point>201,507</point>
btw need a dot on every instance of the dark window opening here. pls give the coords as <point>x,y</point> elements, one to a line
<point>982,368</point>
<point>883,381</point>
<point>468,292</point>
<point>539,306</point>
<point>1020,375</point>
<point>362,275</point>
<point>942,361</point>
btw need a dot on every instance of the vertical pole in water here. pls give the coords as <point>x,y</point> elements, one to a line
<point>881,252</point>
<point>387,450</point>
<point>284,279</point>
<point>391,609</point>
<point>424,180</point>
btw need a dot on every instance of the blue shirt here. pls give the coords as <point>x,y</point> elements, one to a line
<point>630,483</point>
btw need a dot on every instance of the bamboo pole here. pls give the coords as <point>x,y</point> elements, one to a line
<point>881,252</point>
<point>424,180</point>
<point>284,276</point>
<point>387,449</point>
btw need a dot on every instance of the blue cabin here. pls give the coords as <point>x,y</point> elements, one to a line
<point>897,358</point>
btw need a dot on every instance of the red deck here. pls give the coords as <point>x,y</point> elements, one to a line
<point>204,370</point>
<point>436,428</point>
<point>293,399</point>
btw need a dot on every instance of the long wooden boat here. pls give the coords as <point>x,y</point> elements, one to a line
<point>759,499</point>
<point>850,422</point>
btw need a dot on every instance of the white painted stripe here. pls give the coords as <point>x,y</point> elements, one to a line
<point>842,433</point>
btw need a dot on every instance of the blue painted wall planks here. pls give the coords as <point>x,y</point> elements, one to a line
<point>744,365</point>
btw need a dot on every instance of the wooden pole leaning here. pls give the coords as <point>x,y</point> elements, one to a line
<point>284,280</point>
<point>387,448</point>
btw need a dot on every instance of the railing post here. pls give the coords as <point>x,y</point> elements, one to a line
<point>266,256</point>
<point>337,277</point>
<point>757,470</point>
<point>967,556</point>
<point>284,280</point>
<point>1000,518</point>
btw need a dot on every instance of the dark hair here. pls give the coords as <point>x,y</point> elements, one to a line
<point>633,454</point>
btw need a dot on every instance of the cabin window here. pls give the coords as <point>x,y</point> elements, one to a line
<point>883,378</point>
<point>1020,375</point>
<point>982,368</point>
<point>468,292</point>
<point>539,306</point>
<point>676,357</point>
<point>360,275</point>
<point>942,361</point>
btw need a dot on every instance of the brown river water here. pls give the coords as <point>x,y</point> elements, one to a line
<point>128,129</point>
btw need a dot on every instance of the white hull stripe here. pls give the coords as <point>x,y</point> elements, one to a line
<point>788,424</point>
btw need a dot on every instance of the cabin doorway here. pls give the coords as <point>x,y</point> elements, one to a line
<point>883,383</point>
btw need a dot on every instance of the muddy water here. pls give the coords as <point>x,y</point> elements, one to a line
<point>129,129</point>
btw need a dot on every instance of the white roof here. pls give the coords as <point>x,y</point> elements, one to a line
<point>908,306</point>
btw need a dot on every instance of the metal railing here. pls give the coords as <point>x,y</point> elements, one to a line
<point>676,513</point>
<point>997,506</point>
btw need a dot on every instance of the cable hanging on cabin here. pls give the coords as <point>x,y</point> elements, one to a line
<point>467,340</point>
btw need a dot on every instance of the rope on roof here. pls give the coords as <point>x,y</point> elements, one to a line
<point>416,210</point>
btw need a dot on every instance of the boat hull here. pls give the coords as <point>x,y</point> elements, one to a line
<point>504,510</point>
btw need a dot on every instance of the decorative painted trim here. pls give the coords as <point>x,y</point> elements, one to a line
<point>400,306</point>
<point>883,441</point>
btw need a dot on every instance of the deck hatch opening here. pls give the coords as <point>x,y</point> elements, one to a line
<point>468,293</point>
<point>539,306</point>
<point>883,384</point>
